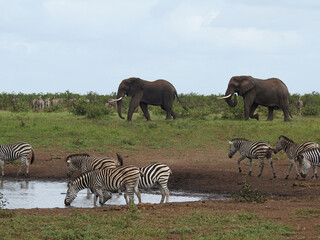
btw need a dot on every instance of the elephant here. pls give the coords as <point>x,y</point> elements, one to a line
<point>159,93</point>
<point>271,93</point>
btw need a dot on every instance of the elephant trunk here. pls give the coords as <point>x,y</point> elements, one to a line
<point>119,103</point>
<point>230,102</point>
<point>228,98</point>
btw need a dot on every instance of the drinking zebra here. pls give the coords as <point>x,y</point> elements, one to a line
<point>86,163</point>
<point>14,151</point>
<point>156,174</point>
<point>293,150</point>
<point>251,150</point>
<point>310,157</point>
<point>104,181</point>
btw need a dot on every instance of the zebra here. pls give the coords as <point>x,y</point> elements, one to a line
<point>310,157</point>
<point>156,174</point>
<point>14,151</point>
<point>104,181</point>
<point>252,150</point>
<point>293,150</point>
<point>86,163</point>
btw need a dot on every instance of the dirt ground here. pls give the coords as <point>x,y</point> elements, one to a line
<point>205,172</point>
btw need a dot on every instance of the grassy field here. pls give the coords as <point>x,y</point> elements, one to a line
<point>69,132</point>
<point>63,130</point>
<point>134,224</point>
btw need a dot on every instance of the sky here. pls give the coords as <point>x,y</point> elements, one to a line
<point>81,46</point>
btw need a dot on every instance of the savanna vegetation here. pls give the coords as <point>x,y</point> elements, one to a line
<point>86,124</point>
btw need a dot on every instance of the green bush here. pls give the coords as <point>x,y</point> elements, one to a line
<point>248,194</point>
<point>80,107</point>
<point>96,111</point>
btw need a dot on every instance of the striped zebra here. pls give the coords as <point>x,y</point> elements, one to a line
<point>293,150</point>
<point>86,163</point>
<point>310,157</point>
<point>156,174</point>
<point>104,181</point>
<point>252,150</point>
<point>14,151</point>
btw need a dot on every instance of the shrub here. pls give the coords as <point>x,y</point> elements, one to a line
<point>96,111</point>
<point>80,107</point>
<point>248,194</point>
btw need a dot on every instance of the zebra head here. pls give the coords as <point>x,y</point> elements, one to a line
<point>71,194</point>
<point>106,196</point>
<point>282,143</point>
<point>305,166</point>
<point>233,149</point>
<point>71,168</point>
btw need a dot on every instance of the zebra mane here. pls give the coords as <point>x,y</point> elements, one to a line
<point>285,138</point>
<point>77,155</point>
<point>236,139</point>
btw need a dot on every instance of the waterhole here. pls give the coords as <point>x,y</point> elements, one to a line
<point>51,194</point>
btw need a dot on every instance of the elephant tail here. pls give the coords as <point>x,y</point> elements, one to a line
<point>184,107</point>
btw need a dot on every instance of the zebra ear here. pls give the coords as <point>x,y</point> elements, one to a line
<point>231,143</point>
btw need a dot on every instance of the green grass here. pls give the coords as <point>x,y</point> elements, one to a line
<point>66,131</point>
<point>135,224</point>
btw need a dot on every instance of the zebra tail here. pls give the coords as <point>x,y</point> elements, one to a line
<point>120,159</point>
<point>33,156</point>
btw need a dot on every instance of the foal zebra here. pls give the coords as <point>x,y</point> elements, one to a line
<point>156,174</point>
<point>86,163</point>
<point>310,157</point>
<point>251,150</point>
<point>14,151</point>
<point>293,150</point>
<point>105,181</point>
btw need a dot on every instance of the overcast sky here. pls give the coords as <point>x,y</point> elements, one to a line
<point>50,46</point>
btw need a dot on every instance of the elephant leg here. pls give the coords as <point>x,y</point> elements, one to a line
<point>252,109</point>
<point>270,113</point>
<point>248,105</point>
<point>144,108</point>
<point>285,110</point>
<point>132,107</point>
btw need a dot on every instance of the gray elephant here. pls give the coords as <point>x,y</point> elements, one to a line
<point>158,93</point>
<point>271,93</point>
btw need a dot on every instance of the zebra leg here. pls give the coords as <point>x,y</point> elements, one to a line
<point>296,168</point>
<point>98,193</point>
<point>271,164</point>
<point>137,192</point>
<point>2,167</point>
<point>290,166</point>
<point>24,163</point>
<point>250,166</point>
<point>261,167</point>
<point>315,174</point>
<point>239,160</point>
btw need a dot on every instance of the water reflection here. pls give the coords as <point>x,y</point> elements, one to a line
<point>47,194</point>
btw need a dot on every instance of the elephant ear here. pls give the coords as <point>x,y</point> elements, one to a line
<point>246,85</point>
<point>136,86</point>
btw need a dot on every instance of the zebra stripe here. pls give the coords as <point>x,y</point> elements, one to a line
<point>251,150</point>
<point>14,151</point>
<point>293,151</point>
<point>310,158</point>
<point>156,174</point>
<point>104,181</point>
<point>86,163</point>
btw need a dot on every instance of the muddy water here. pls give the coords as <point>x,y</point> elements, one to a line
<point>51,194</point>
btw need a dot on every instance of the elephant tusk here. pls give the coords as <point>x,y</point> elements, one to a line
<point>115,100</point>
<point>231,143</point>
<point>224,97</point>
